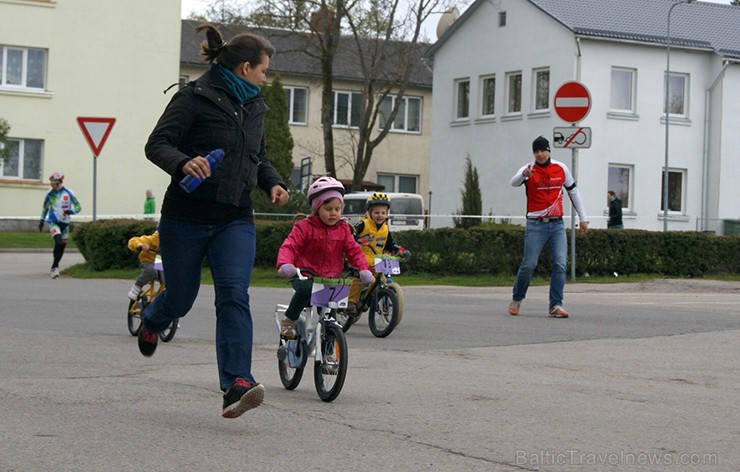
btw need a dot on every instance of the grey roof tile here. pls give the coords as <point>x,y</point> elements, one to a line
<point>292,59</point>
<point>701,24</point>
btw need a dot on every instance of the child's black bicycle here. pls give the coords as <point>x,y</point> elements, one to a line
<point>380,300</point>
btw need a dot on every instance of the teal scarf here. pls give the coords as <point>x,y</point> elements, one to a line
<point>242,89</point>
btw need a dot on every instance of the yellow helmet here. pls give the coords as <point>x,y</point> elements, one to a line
<point>378,198</point>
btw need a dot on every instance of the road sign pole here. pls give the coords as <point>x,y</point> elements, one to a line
<point>95,187</point>
<point>574,168</point>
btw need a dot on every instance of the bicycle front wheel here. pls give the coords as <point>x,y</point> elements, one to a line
<point>135,308</point>
<point>291,376</point>
<point>329,374</point>
<point>383,316</point>
<point>170,331</point>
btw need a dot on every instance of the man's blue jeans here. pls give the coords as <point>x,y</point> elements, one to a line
<point>230,250</point>
<point>537,234</point>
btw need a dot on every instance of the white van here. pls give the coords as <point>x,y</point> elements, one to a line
<point>407,209</point>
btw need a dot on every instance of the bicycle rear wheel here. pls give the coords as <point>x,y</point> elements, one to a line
<point>383,316</point>
<point>170,331</point>
<point>329,374</point>
<point>135,308</point>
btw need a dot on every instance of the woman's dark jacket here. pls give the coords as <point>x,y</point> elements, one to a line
<point>201,117</point>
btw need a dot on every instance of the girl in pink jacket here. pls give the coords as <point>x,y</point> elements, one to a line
<point>318,243</point>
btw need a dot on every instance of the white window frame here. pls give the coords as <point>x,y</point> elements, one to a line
<point>484,96</point>
<point>627,203</point>
<point>350,96</point>
<point>21,160</point>
<point>290,92</point>
<point>462,86</point>
<point>684,178</point>
<point>509,77</point>
<point>536,89</point>
<point>396,181</point>
<point>632,73</point>
<point>673,90</point>
<point>403,112</point>
<point>24,68</point>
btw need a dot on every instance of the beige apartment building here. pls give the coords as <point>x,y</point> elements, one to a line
<point>61,60</point>
<point>399,164</point>
<point>64,59</point>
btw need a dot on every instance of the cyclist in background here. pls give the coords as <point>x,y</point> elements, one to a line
<point>373,234</point>
<point>59,203</point>
<point>148,245</point>
<point>318,243</point>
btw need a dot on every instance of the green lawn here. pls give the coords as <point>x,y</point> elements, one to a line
<point>26,240</point>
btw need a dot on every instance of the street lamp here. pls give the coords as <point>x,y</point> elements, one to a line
<point>667,111</point>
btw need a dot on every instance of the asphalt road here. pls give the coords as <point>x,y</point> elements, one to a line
<point>641,377</point>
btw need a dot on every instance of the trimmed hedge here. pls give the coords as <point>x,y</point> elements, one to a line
<point>489,249</point>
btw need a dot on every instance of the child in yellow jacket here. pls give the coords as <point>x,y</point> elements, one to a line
<point>148,245</point>
<point>374,237</point>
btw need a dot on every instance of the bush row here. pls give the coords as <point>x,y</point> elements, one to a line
<point>490,249</point>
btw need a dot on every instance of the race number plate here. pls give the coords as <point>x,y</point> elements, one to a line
<point>387,265</point>
<point>329,293</point>
<point>158,262</point>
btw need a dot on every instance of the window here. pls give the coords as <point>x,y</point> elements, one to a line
<point>408,117</point>
<point>24,159</point>
<point>623,90</point>
<point>541,79</point>
<point>513,92</point>
<point>398,183</point>
<point>297,98</point>
<point>676,190</point>
<point>620,181</point>
<point>678,91</point>
<point>462,99</point>
<point>488,95</point>
<point>501,19</point>
<point>22,68</point>
<point>347,109</point>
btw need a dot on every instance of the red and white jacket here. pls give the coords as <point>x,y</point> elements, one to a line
<point>545,189</point>
<point>320,248</point>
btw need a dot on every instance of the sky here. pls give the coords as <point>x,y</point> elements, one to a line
<point>430,26</point>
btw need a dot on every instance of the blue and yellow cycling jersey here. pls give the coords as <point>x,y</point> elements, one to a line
<point>57,202</point>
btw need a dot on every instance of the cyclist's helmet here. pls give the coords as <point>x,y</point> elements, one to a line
<point>378,198</point>
<point>322,189</point>
<point>56,177</point>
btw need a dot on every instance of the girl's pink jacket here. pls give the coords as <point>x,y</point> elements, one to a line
<point>320,248</point>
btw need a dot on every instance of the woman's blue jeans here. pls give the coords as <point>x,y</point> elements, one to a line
<point>537,234</point>
<point>230,250</point>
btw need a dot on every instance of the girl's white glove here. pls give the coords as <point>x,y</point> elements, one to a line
<point>366,277</point>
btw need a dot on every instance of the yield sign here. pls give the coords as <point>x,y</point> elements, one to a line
<point>572,102</point>
<point>96,131</point>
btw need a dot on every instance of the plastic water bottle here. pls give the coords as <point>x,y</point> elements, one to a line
<point>190,183</point>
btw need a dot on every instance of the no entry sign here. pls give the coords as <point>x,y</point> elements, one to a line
<point>572,102</point>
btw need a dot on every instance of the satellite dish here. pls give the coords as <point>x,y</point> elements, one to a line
<point>448,17</point>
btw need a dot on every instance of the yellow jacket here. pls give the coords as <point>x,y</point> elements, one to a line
<point>151,240</point>
<point>376,238</point>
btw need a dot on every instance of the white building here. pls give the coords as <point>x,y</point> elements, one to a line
<point>497,68</point>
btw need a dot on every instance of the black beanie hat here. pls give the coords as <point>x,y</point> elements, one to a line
<point>540,144</point>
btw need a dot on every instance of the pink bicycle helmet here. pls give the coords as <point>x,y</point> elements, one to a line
<point>322,189</point>
<point>323,185</point>
<point>57,177</point>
